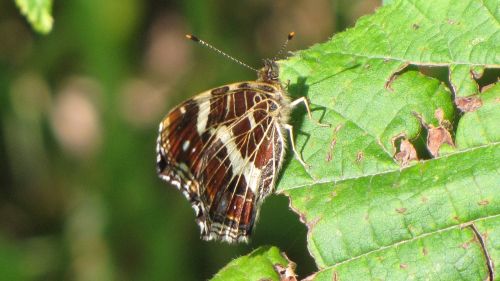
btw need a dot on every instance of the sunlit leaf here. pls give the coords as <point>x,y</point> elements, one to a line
<point>369,216</point>
<point>38,13</point>
<point>262,264</point>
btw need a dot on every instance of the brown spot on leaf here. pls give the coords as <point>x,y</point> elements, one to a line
<point>485,235</point>
<point>333,143</point>
<point>360,156</point>
<point>465,245</point>
<point>424,199</point>
<point>403,266</point>
<point>425,251</point>
<point>415,26</point>
<point>329,154</point>
<point>406,153</point>
<point>439,114</point>
<point>337,129</point>
<point>336,276</point>
<point>468,104</point>
<point>286,273</point>
<point>401,210</point>
<point>437,136</point>
<point>328,157</point>
<point>483,202</point>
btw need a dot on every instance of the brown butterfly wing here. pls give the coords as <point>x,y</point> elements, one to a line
<point>222,149</point>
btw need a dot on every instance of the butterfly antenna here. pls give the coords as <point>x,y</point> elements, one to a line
<point>283,47</point>
<point>197,40</point>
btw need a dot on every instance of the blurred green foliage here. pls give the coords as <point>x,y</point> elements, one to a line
<point>79,107</point>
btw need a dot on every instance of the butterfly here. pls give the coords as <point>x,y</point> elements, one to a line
<point>224,147</point>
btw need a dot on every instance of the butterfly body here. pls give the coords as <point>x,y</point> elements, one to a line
<point>224,148</point>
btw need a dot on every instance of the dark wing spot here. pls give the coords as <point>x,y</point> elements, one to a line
<point>220,91</point>
<point>243,85</point>
<point>267,89</point>
<point>161,164</point>
<point>256,99</point>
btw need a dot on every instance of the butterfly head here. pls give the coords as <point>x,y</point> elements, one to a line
<point>270,72</point>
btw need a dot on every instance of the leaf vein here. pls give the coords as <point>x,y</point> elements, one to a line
<point>439,231</point>
<point>336,181</point>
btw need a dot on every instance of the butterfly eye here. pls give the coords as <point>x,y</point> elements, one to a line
<point>274,71</point>
<point>273,107</point>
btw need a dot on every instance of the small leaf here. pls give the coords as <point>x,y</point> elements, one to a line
<point>38,13</point>
<point>262,264</point>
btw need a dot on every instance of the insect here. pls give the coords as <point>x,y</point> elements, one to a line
<point>224,147</point>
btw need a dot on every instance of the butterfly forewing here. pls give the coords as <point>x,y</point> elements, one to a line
<point>223,149</point>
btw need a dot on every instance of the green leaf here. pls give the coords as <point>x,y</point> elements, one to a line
<point>395,215</point>
<point>260,264</point>
<point>422,32</point>
<point>491,230</point>
<point>481,127</point>
<point>369,216</point>
<point>462,80</point>
<point>38,13</point>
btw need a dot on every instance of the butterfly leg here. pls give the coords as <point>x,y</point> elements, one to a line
<point>289,128</point>
<point>305,101</point>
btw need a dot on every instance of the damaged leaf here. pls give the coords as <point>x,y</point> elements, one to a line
<point>437,136</point>
<point>481,127</point>
<point>465,87</point>
<point>286,273</point>
<point>462,80</point>
<point>406,154</point>
<point>386,222</point>
<point>468,104</point>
